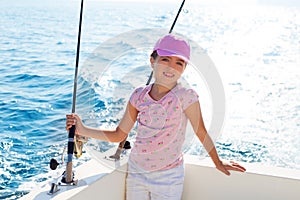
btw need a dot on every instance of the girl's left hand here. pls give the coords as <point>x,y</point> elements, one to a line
<point>225,167</point>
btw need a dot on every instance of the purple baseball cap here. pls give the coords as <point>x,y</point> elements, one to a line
<point>171,45</point>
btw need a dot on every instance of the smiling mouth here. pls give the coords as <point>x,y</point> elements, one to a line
<point>168,74</point>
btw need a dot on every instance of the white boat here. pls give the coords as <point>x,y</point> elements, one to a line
<point>100,178</point>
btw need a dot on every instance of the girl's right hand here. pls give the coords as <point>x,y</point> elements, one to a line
<point>71,119</point>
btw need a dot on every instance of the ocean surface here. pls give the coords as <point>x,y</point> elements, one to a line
<point>255,49</point>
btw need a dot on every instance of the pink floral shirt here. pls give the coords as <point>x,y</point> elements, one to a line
<point>161,127</point>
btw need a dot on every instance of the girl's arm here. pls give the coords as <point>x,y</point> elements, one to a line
<point>117,135</point>
<point>193,112</point>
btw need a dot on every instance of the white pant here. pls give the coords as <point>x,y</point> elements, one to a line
<point>157,185</point>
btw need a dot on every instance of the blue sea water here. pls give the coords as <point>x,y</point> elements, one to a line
<point>256,49</point>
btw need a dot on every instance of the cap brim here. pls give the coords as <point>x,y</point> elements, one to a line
<point>161,52</point>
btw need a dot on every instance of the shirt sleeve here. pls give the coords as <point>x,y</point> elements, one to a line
<point>190,97</point>
<point>135,97</point>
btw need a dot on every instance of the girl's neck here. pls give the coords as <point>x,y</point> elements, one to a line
<point>158,91</point>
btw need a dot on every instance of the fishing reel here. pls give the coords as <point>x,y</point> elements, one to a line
<point>78,150</point>
<point>78,145</point>
<point>53,162</point>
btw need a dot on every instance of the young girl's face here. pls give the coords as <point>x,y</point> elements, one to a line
<point>167,69</point>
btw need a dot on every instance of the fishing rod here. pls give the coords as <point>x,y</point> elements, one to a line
<point>68,178</point>
<point>68,175</point>
<point>170,31</point>
<point>175,20</point>
<point>125,144</point>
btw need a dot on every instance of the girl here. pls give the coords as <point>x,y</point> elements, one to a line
<point>155,165</point>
